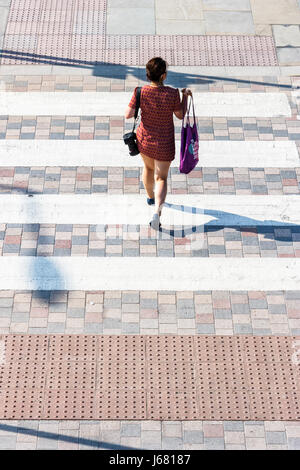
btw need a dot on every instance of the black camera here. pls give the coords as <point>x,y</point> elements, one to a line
<point>130,140</point>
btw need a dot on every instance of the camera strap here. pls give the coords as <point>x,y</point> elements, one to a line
<point>137,105</point>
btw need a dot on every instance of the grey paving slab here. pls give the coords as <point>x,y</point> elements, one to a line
<point>286,35</point>
<point>178,10</point>
<point>130,430</point>
<point>230,22</point>
<point>276,437</point>
<point>294,443</point>
<point>278,12</point>
<point>214,443</point>
<point>288,55</point>
<point>56,328</point>
<point>242,329</point>
<point>129,297</point>
<point>133,4</point>
<point>208,328</point>
<point>130,21</point>
<point>7,442</point>
<point>234,426</point>
<point>172,443</point>
<point>4,10</point>
<point>236,5</point>
<point>193,437</point>
<point>170,27</point>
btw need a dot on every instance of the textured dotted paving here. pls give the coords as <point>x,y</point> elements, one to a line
<point>149,377</point>
<point>74,32</point>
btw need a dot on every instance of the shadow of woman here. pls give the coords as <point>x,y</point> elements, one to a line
<point>35,272</point>
<point>224,219</point>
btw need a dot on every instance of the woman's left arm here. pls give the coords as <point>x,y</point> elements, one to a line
<point>129,112</point>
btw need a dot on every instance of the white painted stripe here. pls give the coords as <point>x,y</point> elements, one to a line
<point>112,153</point>
<point>114,104</point>
<point>133,209</point>
<point>148,273</point>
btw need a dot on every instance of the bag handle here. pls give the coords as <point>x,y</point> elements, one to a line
<point>137,105</point>
<point>188,111</point>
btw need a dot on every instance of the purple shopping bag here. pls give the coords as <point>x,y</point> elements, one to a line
<point>189,143</point>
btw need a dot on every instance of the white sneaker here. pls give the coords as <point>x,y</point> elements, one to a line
<point>155,222</point>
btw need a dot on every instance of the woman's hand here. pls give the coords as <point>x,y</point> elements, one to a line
<point>186,92</point>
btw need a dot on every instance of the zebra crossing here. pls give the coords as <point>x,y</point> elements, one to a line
<point>112,153</point>
<point>179,209</point>
<point>113,104</point>
<point>182,212</point>
<point>133,273</point>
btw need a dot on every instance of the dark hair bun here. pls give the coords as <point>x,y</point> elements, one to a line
<point>155,68</point>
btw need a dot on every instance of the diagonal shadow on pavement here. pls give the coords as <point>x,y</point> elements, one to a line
<point>221,220</point>
<point>61,437</point>
<point>229,220</point>
<point>41,294</point>
<point>119,71</point>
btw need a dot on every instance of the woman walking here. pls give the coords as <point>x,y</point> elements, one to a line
<point>155,134</point>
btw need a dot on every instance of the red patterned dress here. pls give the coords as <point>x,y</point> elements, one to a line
<point>155,134</point>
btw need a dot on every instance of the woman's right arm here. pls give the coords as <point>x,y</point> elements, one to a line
<point>185,93</point>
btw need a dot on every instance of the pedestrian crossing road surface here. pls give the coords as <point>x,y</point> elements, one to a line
<point>192,332</point>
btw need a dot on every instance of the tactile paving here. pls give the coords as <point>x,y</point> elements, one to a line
<point>68,404</point>
<point>24,403</point>
<point>136,377</point>
<point>55,31</point>
<point>125,375</point>
<point>129,404</point>
<point>73,32</point>
<point>170,349</point>
<point>67,375</point>
<point>224,405</point>
<point>72,348</point>
<point>121,348</point>
<point>173,405</point>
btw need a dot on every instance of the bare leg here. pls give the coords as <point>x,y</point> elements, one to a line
<point>161,187</point>
<point>148,175</point>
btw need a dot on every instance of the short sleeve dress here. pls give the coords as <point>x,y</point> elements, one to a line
<point>155,134</point>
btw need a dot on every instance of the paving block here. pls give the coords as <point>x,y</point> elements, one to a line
<point>236,5</point>
<point>276,437</point>
<point>234,426</point>
<point>173,443</point>
<point>130,430</point>
<point>130,21</point>
<point>288,55</point>
<point>178,10</point>
<point>270,12</point>
<point>229,22</point>
<point>286,35</point>
<point>3,19</point>
<point>8,442</point>
<point>214,443</point>
<point>294,443</point>
<point>193,437</point>
<point>255,443</point>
